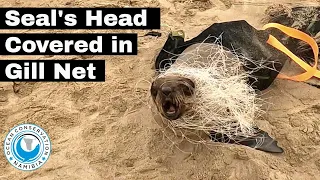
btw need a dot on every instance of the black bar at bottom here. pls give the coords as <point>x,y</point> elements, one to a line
<point>52,70</point>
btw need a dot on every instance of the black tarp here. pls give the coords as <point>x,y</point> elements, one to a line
<point>244,39</point>
<point>238,36</point>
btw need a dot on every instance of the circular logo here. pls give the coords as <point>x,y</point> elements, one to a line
<point>27,147</point>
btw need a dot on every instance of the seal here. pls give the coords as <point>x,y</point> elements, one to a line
<point>169,95</point>
<point>173,94</point>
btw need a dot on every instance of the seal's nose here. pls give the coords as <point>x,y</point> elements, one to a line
<point>166,90</point>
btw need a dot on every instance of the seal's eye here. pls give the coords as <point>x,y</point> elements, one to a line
<point>154,90</point>
<point>187,87</point>
<point>187,90</point>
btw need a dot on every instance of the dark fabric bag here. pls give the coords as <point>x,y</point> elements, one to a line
<point>239,37</point>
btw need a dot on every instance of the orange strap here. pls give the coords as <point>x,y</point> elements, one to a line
<point>310,71</point>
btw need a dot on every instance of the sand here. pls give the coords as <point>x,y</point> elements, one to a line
<point>107,130</point>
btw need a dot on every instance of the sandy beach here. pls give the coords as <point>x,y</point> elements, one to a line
<point>106,130</point>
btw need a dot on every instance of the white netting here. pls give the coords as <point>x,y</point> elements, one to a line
<point>223,102</point>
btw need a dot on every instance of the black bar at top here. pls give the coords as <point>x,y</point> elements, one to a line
<point>152,18</point>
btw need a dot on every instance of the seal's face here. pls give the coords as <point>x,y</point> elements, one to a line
<point>169,94</point>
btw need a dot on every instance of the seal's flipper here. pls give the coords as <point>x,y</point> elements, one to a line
<point>262,141</point>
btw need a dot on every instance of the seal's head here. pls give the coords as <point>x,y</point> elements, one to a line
<point>169,93</point>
